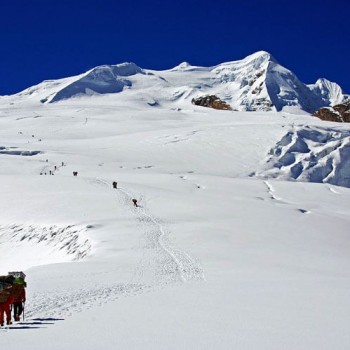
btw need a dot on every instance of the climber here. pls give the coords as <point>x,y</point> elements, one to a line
<point>6,299</point>
<point>19,297</point>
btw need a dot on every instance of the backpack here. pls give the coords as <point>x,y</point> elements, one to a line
<point>20,281</point>
<point>5,294</point>
<point>18,277</point>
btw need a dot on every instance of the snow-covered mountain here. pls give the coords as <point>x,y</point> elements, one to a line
<point>331,93</point>
<point>255,83</point>
<point>240,239</point>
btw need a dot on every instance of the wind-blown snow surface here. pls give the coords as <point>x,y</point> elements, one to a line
<point>219,254</point>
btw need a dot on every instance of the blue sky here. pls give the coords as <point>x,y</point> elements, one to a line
<point>50,39</point>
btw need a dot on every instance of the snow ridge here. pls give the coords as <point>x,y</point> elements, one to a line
<point>100,80</point>
<point>330,92</point>
<point>310,154</point>
<point>54,243</point>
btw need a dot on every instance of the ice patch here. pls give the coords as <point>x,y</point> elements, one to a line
<point>13,151</point>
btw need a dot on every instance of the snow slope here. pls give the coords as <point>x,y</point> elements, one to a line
<point>228,248</point>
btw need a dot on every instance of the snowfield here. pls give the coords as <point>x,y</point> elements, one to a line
<point>240,240</point>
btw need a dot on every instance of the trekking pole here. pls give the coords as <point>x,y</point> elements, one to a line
<point>23,310</point>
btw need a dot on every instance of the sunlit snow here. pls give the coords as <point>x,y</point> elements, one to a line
<point>240,240</point>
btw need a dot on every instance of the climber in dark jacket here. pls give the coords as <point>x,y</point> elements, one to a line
<point>19,297</point>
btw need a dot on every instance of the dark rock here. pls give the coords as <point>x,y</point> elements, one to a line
<point>338,113</point>
<point>328,114</point>
<point>211,101</point>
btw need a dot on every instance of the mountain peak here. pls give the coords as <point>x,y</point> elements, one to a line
<point>330,92</point>
<point>125,69</point>
<point>182,66</point>
<point>261,56</point>
<point>100,80</point>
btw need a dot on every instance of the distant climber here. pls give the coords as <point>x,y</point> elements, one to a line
<point>135,202</point>
<point>75,173</point>
<point>114,184</point>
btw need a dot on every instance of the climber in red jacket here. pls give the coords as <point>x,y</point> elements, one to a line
<point>6,299</point>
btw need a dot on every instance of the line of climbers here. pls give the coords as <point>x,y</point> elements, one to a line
<point>51,172</point>
<point>134,201</point>
<point>12,296</point>
<point>75,173</point>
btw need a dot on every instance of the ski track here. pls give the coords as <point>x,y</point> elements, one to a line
<point>65,302</point>
<point>161,265</point>
<point>270,191</point>
<point>161,262</point>
<point>168,264</point>
<point>274,198</point>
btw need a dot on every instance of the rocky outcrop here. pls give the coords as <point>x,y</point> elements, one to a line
<point>211,101</point>
<point>338,113</point>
